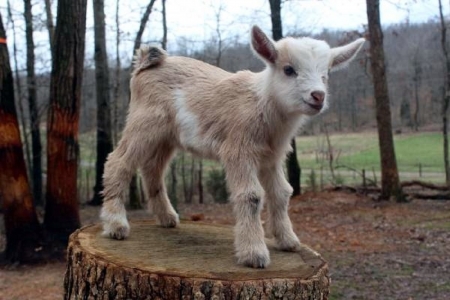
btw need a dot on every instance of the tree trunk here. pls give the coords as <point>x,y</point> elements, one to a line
<point>164,22</point>
<point>293,167</point>
<point>192,183</point>
<point>21,223</point>
<point>200,181</point>
<point>61,210</point>
<point>19,94</point>
<point>173,187</point>
<point>446,98</point>
<point>275,16</point>
<point>34,111</point>
<point>416,80</point>
<point>174,267</point>
<point>50,26</point>
<point>390,186</point>
<point>135,196</point>
<point>104,133</point>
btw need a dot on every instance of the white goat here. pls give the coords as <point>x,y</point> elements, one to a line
<point>244,120</point>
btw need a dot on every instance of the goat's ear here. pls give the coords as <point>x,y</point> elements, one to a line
<point>263,45</point>
<point>342,56</point>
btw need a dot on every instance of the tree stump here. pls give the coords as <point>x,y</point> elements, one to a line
<point>192,261</point>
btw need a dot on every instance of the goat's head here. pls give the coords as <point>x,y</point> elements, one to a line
<point>299,69</point>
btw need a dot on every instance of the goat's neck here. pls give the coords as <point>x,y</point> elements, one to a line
<point>281,123</point>
<point>272,108</point>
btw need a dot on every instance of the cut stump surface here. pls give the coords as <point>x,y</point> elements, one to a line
<point>192,261</point>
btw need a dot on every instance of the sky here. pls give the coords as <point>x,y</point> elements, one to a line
<point>195,21</point>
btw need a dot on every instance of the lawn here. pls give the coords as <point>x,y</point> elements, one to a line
<point>419,155</point>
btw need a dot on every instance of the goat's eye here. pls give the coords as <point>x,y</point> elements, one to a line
<point>289,71</point>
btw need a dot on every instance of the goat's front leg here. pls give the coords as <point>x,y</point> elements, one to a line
<point>247,198</point>
<point>278,192</point>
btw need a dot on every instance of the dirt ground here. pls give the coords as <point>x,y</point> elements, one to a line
<point>374,250</point>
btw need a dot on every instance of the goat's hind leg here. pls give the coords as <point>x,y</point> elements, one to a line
<point>119,168</point>
<point>153,171</point>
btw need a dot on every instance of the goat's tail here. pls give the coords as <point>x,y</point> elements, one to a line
<point>148,57</point>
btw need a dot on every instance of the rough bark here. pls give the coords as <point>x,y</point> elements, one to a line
<point>19,94</point>
<point>293,167</point>
<point>446,99</point>
<point>61,209</point>
<point>21,223</point>
<point>33,108</point>
<point>192,261</point>
<point>390,186</point>
<point>104,132</point>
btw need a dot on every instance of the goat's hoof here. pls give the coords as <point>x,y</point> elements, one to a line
<point>291,244</point>
<point>255,260</point>
<point>169,220</point>
<point>116,231</point>
<point>120,233</point>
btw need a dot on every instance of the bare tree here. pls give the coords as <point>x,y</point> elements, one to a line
<point>104,133</point>
<point>33,108</point>
<point>173,188</point>
<point>61,209</point>
<point>50,26</point>
<point>417,78</point>
<point>293,167</point>
<point>200,182</point>
<point>20,95</point>
<point>446,98</point>
<point>390,185</point>
<point>164,22</point>
<point>21,223</point>
<point>144,20</point>
<point>275,17</point>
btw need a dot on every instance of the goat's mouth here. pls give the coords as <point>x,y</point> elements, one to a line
<point>317,107</point>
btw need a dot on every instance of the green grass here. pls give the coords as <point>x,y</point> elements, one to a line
<point>360,151</point>
<point>411,151</point>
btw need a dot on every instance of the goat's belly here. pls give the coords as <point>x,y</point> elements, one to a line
<point>199,148</point>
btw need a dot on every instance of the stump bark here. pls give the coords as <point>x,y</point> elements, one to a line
<point>192,261</point>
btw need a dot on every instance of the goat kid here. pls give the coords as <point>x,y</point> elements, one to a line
<point>245,120</point>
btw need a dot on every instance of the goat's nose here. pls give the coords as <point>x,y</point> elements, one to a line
<point>318,96</point>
